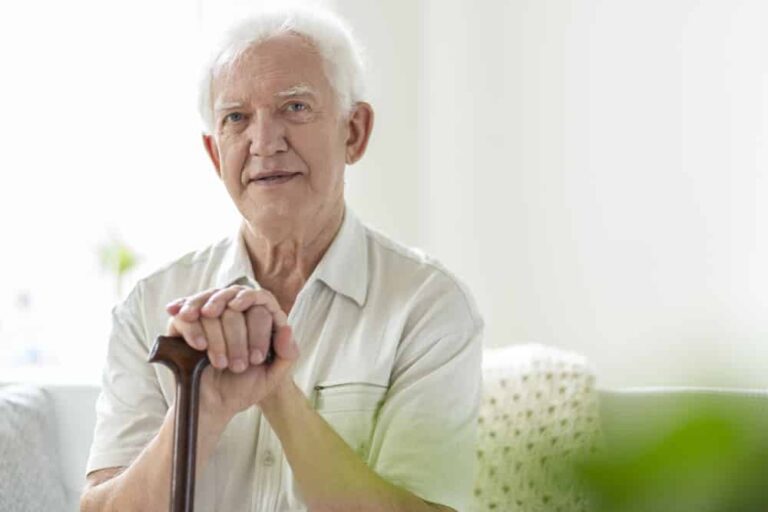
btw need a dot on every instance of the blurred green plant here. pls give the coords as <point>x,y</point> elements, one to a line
<point>117,259</point>
<point>713,458</point>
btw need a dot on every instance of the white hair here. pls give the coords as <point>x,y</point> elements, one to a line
<point>342,55</point>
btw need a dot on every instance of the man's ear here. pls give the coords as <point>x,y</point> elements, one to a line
<point>359,127</point>
<point>213,152</point>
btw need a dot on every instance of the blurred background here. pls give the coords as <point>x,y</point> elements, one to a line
<point>594,170</point>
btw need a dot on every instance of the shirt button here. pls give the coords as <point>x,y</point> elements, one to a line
<point>269,459</point>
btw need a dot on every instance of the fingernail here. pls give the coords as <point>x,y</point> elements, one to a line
<point>221,362</point>
<point>200,343</point>
<point>238,365</point>
<point>257,357</point>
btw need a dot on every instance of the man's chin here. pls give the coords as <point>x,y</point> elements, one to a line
<point>273,215</point>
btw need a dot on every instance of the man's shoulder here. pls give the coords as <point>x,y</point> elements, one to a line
<point>189,273</point>
<point>416,275</point>
<point>207,258</point>
<point>395,257</point>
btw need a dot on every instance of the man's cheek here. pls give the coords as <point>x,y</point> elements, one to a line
<point>232,169</point>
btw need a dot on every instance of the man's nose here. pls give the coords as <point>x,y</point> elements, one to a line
<point>267,135</point>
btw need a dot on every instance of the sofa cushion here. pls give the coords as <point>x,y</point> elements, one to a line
<point>29,470</point>
<point>539,410</point>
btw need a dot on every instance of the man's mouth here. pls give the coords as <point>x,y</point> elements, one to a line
<point>275,178</point>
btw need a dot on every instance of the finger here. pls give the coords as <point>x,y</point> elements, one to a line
<point>286,353</point>
<point>217,302</point>
<point>173,307</point>
<point>249,297</point>
<point>190,311</point>
<point>236,339</point>
<point>192,332</point>
<point>170,329</point>
<point>285,345</point>
<point>259,322</point>
<point>217,349</point>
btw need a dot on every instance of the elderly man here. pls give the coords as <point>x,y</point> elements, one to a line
<point>369,396</point>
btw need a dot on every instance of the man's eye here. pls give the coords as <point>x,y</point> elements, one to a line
<point>297,107</point>
<point>233,117</point>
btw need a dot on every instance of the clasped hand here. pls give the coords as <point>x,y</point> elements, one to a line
<point>236,326</point>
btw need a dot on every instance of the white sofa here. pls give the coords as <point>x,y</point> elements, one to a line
<point>533,394</point>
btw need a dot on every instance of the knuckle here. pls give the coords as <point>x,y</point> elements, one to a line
<point>203,296</point>
<point>230,315</point>
<point>224,292</point>
<point>179,324</point>
<point>237,351</point>
<point>259,313</point>
<point>215,354</point>
<point>246,293</point>
<point>232,291</point>
<point>266,296</point>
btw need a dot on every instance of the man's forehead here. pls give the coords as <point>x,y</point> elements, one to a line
<point>270,75</point>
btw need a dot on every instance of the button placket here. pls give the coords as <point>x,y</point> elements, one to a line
<point>265,473</point>
<point>270,473</point>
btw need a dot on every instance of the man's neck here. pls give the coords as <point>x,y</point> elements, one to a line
<point>283,263</point>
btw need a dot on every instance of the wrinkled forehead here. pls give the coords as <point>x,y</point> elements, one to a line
<point>281,65</point>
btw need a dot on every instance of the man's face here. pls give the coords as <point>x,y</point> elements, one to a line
<point>275,112</point>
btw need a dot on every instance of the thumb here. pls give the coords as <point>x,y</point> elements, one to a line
<point>170,329</point>
<point>284,344</point>
<point>286,353</point>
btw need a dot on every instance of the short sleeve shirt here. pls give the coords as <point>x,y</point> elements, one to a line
<point>390,356</point>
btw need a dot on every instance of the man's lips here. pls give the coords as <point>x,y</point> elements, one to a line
<point>274,177</point>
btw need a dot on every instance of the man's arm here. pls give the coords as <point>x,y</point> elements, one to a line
<point>145,484</point>
<point>330,475</point>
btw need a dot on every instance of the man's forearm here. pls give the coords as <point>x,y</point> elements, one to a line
<point>145,485</point>
<point>330,475</point>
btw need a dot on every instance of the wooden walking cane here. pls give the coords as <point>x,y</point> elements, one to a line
<point>187,365</point>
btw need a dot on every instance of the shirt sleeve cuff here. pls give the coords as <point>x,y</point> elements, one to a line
<point>110,459</point>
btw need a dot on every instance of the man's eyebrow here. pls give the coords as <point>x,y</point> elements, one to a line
<point>226,105</point>
<point>297,90</point>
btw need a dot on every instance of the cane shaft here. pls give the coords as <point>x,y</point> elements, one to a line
<point>187,365</point>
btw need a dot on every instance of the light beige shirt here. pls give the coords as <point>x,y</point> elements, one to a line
<point>390,356</point>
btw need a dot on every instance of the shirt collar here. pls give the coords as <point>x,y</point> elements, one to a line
<point>235,266</point>
<point>343,267</point>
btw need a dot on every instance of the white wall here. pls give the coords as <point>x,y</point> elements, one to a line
<point>596,171</point>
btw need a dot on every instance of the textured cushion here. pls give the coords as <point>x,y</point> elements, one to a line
<point>29,471</point>
<point>539,410</point>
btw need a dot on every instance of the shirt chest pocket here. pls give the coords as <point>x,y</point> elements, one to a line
<point>351,409</point>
